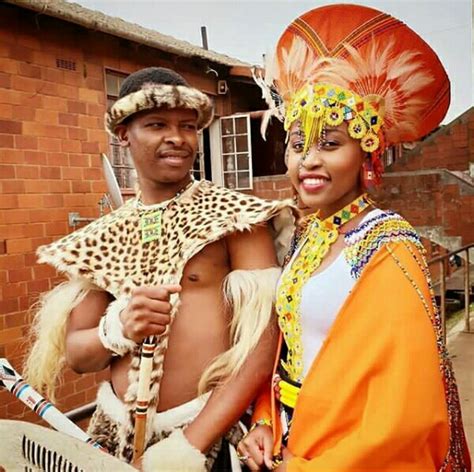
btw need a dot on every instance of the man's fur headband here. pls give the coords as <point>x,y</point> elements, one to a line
<point>160,95</point>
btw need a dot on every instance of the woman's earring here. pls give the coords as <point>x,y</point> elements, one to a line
<point>367,174</point>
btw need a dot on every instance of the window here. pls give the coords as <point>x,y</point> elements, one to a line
<point>199,171</point>
<point>119,157</point>
<point>236,152</point>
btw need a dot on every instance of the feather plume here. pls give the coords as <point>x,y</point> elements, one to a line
<point>395,77</point>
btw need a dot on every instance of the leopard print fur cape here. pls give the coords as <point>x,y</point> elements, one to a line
<point>110,254</point>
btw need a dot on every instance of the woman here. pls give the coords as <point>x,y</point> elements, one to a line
<point>362,379</point>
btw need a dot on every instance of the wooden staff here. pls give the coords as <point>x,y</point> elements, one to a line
<point>143,396</point>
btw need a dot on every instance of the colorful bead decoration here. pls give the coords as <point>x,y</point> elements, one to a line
<point>319,105</point>
<point>316,241</point>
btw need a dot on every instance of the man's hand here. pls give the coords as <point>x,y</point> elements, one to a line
<point>148,312</point>
<point>256,448</point>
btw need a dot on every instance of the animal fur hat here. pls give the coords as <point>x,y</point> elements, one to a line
<point>156,87</point>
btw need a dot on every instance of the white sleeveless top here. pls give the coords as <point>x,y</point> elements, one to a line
<point>321,300</point>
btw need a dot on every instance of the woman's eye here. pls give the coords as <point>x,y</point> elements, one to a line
<point>329,144</point>
<point>156,124</point>
<point>298,146</point>
<point>190,127</point>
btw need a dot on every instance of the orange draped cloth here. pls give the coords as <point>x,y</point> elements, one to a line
<point>377,396</point>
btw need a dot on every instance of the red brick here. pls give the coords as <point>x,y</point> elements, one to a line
<point>68,91</point>
<point>77,134</point>
<point>99,187</point>
<point>43,271</point>
<point>49,144</point>
<point>74,106</point>
<point>29,70</point>
<point>52,75</point>
<point>36,186</point>
<point>90,147</point>
<point>79,160</point>
<point>8,306</point>
<point>68,119</point>
<point>6,141</point>
<point>71,173</point>
<point>72,201</point>
<point>55,103</point>
<point>27,172</point>
<point>7,172</point>
<point>15,348</point>
<point>15,216</point>
<point>96,109</point>
<point>57,159</point>
<point>50,173</point>
<point>25,84</point>
<point>18,245</point>
<point>10,127</point>
<point>95,84</point>
<point>53,201</point>
<point>10,334</point>
<point>29,201</point>
<point>35,157</point>
<point>5,80</point>
<point>91,122</point>
<point>73,78</point>
<point>38,286</point>
<point>88,95</point>
<point>16,261</point>
<point>56,228</point>
<point>13,186</point>
<point>13,97</point>
<point>59,186</point>
<point>6,111</point>
<point>47,117</point>
<point>8,201</point>
<point>34,230</point>
<point>80,186</point>
<point>26,142</point>
<point>70,145</point>
<point>92,173</point>
<point>20,275</point>
<point>23,113</point>
<point>8,66</point>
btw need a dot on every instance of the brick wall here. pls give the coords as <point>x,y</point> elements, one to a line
<point>418,187</point>
<point>51,137</point>
<point>451,147</point>
<point>276,187</point>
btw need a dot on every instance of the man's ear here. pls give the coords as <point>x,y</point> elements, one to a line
<point>121,131</point>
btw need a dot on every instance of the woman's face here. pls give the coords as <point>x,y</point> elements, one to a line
<point>328,177</point>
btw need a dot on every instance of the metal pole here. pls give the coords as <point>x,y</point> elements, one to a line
<point>204,37</point>
<point>467,293</point>
<point>443,297</point>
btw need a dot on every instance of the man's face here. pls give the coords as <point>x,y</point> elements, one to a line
<point>163,143</point>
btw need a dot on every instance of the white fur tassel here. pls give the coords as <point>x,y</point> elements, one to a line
<point>250,293</point>
<point>111,329</point>
<point>174,453</point>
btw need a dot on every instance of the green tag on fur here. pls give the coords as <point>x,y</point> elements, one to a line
<point>151,226</point>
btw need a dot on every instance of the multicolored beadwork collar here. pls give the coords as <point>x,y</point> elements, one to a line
<point>316,240</point>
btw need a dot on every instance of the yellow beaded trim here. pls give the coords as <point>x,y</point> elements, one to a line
<point>317,105</point>
<point>316,241</point>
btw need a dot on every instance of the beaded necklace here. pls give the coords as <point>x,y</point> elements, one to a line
<point>316,239</point>
<point>151,217</point>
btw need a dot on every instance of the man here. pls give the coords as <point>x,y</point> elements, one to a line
<point>164,258</point>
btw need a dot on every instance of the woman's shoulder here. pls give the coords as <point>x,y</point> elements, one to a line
<point>377,229</point>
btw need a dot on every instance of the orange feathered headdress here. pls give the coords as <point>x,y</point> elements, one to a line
<point>356,64</point>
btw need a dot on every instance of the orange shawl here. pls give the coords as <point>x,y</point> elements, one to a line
<point>380,394</point>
